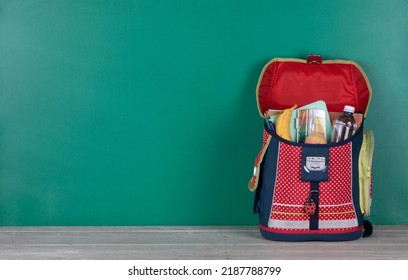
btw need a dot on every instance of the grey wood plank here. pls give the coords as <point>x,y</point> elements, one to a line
<point>387,242</point>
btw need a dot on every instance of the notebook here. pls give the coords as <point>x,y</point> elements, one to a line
<point>321,120</point>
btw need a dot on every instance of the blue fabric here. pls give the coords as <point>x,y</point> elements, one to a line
<point>357,141</point>
<point>311,237</point>
<point>314,219</point>
<point>315,163</point>
<point>268,181</point>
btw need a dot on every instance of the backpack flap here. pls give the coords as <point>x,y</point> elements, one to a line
<point>284,82</point>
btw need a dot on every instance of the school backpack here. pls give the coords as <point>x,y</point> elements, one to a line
<point>309,191</point>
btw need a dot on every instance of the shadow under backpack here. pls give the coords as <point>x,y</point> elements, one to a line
<point>341,192</point>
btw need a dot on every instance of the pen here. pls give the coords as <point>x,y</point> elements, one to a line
<point>270,124</point>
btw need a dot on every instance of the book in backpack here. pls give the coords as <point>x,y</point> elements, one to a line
<point>307,186</point>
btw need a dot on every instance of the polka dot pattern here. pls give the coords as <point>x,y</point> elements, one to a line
<point>336,193</point>
<point>336,209</point>
<point>289,189</point>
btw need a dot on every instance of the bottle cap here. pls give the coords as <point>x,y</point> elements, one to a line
<point>349,109</point>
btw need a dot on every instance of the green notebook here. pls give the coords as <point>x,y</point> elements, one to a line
<point>299,128</point>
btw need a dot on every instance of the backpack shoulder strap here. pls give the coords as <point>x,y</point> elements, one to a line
<point>253,182</point>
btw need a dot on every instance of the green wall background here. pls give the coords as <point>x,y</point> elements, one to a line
<point>144,113</point>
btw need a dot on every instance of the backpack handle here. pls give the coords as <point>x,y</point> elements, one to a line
<point>314,59</point>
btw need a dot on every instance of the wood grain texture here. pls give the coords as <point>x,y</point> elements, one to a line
<point>160,243</point>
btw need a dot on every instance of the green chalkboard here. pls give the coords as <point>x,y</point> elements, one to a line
<point>144,112</point>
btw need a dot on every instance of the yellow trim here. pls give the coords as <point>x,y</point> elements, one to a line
<point>253,187</point>
<point>343,61</point>
<point>336,213</point>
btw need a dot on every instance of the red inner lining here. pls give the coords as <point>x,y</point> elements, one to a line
<point>285,83</point>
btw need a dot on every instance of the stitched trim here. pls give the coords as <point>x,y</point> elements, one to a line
<point>253,182</point>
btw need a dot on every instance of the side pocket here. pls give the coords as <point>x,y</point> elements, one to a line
<point>365,162</point>
<point>267,187</point>
<point>257,207</point>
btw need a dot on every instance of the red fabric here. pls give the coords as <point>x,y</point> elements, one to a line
<point>307,231</point>
<point>290,192</point>
<point>335,195</point>
<point>285,83</point>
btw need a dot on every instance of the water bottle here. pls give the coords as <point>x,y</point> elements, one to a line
<point>345,125</point>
